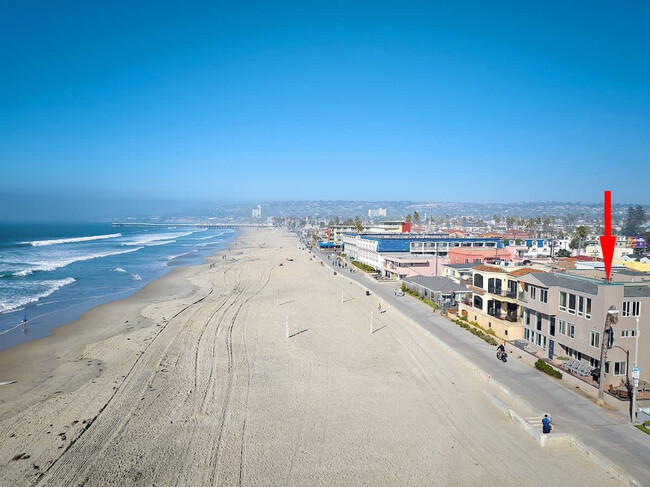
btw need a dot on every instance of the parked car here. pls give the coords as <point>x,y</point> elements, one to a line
<point>399,292</point>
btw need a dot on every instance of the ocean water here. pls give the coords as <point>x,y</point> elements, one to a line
<point>54,272</point>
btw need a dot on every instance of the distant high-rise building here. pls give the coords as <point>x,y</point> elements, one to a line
<point>377,212</point>
<point>257,212</point>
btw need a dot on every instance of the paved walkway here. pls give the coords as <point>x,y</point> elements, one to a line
<point>608,434</point>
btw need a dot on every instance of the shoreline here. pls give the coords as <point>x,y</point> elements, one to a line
<point>76,310</point>
<point>96,324</point>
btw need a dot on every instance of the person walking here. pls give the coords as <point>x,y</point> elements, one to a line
<point>546,424</point>
<point>25,323</point>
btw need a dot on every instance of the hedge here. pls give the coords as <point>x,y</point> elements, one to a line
<point>544,367</point>
<point>475,331</point>
<point>363,267</point>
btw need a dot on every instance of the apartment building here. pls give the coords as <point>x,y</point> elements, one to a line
<point>493,304</point>
<point>399,256</point>
<point>564,315</point>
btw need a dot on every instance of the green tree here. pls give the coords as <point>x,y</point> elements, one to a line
<point>408,218</point>
<point>510,221</point>
<point>582,232</point>
<point>496,219</point>
<point>636,218</point>
<point>358,224</point>
<point>416,217</point>
<point>563,253</point>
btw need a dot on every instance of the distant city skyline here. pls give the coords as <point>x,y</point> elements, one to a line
<point>211,102</point>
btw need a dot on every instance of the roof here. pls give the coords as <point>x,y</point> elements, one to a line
<point>439,284</point>
<point>586,258</point>
<point>524,271</point>
<point>489,268</point>
<point>580,284</point>
<point>489,251</point>
<point>467,265</point>
<point>639,291</point>
<point>407,256</point>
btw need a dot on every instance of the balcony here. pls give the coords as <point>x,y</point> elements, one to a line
<point>522,296</point>
<point>494,290</point>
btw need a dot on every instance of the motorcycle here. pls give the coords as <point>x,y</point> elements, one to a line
<point>503,356</point>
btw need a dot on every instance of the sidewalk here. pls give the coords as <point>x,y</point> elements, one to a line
<point>610,435</point>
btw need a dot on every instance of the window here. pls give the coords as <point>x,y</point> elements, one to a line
<point>539,321</point>
<point>631,308</point>
<point>551,326</point>
<point>572,304</point>
<point>533,292</point>
<point>476,260</point>
<point>526,316</point>
<point>562,304</point>
<point>543,295</point>
<point>620,368</point>
<point>588,309</point>
<point>628,333</point>
<point>478,280</point>
<point>581,306</point>
<point>561,329</point>
<point>572,331</point>
<point>594,339</point>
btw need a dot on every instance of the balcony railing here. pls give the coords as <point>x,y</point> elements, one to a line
<point>522,296</point>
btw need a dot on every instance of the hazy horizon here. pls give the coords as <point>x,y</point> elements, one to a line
<point>209,102</point>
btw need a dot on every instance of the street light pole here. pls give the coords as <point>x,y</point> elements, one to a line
<point>635,379</point>
<point>610,319</point>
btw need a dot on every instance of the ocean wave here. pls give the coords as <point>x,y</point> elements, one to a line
<point>136,277</point>
<point>149,240</point>
<point>24,272</point>
<point>20,301</point>
<point>57,264</point>
<point>162,242</point>
<point>44,243</point>
<point>207,244</point>
<point>172,257</point>
<point>118,269</point>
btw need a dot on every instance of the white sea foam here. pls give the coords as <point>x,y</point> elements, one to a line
<point>19,301</point>
<point>172,257</point>
<point>24,272</point>
<point>118,269</point>
<point>50,265</point>
<point>162,242</point>
<point>43,243</point>
<point>150,239</point>
<point>136,277</point>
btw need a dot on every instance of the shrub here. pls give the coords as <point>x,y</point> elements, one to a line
<point>363,267</point>
<point>403,287</point>
<point>490,331</point>
<point>544,367</point>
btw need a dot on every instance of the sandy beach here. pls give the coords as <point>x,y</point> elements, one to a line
<point>192,382</point>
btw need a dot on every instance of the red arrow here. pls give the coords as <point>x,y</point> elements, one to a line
<point>608,241</point>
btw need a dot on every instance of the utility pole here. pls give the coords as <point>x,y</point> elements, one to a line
<point>635,371</point>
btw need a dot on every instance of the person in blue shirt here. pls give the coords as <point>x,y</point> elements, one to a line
<point>546,424</point>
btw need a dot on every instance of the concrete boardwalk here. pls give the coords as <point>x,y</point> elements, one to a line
<point>609,434</point>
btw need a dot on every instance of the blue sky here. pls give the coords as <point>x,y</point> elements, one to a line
<point>236,101</point>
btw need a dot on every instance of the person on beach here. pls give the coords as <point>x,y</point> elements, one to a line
<point>379,307</point>
<point>25,323</point>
